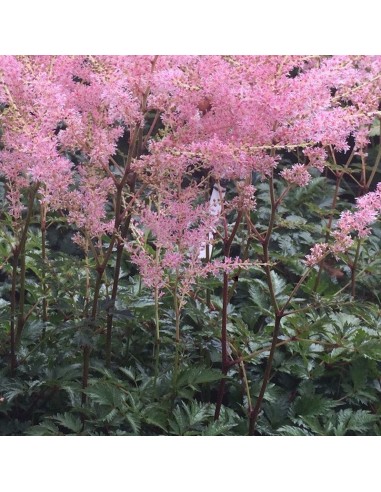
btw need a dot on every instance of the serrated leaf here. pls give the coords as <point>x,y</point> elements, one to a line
<point>197,375</point>
<point>69,421</point>
<point>128,372</point>
<point>218,429</point>
<point>371,349</point>
<point>134,422</point>
<point>359,373</point>
<point>45,428</point>
<point>356,421</point>
<point>290,430</point>
<point>105,393</point>
<point>155,415</point>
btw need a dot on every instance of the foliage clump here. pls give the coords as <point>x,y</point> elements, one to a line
<point>189,245</point>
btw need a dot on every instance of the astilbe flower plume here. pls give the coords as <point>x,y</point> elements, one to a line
<point>368,208</point>
<point>178,227</point>
<point>57,107</point>
<point>254,106</point>
<point>297,174</point>
<point>228,116</point>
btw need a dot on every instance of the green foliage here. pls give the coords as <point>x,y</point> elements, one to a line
<point>325,378</point>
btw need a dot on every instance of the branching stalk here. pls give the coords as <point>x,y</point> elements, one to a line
<point>255,412</point>
<point>19,257</point>
<point>353,268</point>
<point>225,303</point>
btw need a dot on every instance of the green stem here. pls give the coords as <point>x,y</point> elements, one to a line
<point>278,314</point>
<point>157,316</point>
<point>120,241</point>
<point>266,242</point>
<point>247,388</point>
<point>157,360</point>
<point>44,263</point>
<point>339,177</point>
<point>353,268</point>
<point>114,291</point>
<point>225,303</point>
<point>253,416</point>
<point>13,314</point>
<point>87,349</point>
<point>375,167</point>
<point>19,256</point>
<point>175,371</point>
<point>252,355</point>
<point>177,335</point>
<point>85,371</point>
<point>207,260</point>
<point>177,317</point>
<point>21,310</point>
<point>297,286</point>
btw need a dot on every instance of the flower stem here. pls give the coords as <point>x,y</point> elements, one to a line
<point>225,302</point>
<point>353,268</point>
<point>253,416</point>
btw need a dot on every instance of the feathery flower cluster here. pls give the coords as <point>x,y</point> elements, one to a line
<point>297,174</point>
<point>317,157</point>
<point>221,117</point>
<point>318,251</point>
<point>368,207</point>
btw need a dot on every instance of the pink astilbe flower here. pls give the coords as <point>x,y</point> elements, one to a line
<point>317,157</point>
<point>57,106</point>
<point>245,200</point>
<point>342,242</point>
<point>196,271</point>
<point>152,272</point>
<point>297,174</point>
<point>368,207</point>
<point>228,113</point>
<point>371,201</point>
<point>222,117</point>
<point>358,221</point>
<point>317,254</point>
<point>87,206</point>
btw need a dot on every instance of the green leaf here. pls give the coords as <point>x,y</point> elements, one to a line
<point>193,376</point>
<point>356,421</point>
<point>290,430</point>
<point>371,349</point>
<point>359,373</point>
<point>69,421</point>
<point>134,422</point>
<point>105,393</point>
<point>156,415</point>
<point>375,128</point>
<point>188,419</point>
<point>128,372</point>
<point>45,428</point>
